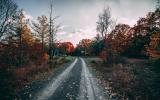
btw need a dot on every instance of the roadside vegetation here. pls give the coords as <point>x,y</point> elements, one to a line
<point>131,79</point>
<point>26,48</point>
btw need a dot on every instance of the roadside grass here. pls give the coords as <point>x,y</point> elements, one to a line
<point>29,88</point>
<point>69,58</point>
<point>133,79</point>
<point>32,72</point>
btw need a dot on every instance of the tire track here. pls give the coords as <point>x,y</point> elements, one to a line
<point>89,87</point>
<point>49,90</point>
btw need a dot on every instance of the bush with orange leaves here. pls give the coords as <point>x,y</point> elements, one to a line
<point>43,58</point>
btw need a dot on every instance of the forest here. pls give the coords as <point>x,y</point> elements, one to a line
<point>30,48</point>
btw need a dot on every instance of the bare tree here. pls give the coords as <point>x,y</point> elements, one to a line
<point>104,22</point>
<point>8,9</point>
<point>53,28</point>
<point>41,28</point>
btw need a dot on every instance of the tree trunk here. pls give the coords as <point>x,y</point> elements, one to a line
<point>42,42</point>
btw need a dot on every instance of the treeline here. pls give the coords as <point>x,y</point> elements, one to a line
<point>131,56</point>
<point>140,41</point>
<point>24,45</point>
<point>18,44</point>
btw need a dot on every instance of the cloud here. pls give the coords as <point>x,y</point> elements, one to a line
<point>88,32</point>
<point>62,33</point>
<point>128,21</point>
<point>62,27</point>
<point>27,16</point>
<point>70,35</point>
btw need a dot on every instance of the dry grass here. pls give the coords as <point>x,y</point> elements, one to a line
<point>33,71</point>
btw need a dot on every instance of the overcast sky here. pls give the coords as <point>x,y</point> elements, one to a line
<point>78,17</point>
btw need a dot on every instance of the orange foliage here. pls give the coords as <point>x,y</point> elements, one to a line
<point>69,47</point>
<point>65,47</point>
<point>84,45</point>
<point>119,38</point>
<point>42,58</point>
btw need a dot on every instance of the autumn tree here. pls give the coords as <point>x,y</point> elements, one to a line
<point>15,41</point>
<point>143,30</point>
<point>17,46</point>
<point>21,28</point>
<point>8,9</point>
<point>65,47</point>
<point>118,39</point>
<point>116,42</point>
<point>84,46</point>
<point>69,47</point>
<point>42,29</point>
<point>24,37</point>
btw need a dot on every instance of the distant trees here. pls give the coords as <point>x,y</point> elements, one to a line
<point>84,46</point>
<point>141,40</point>
<point>42,29</point>
<point>64,48</point>
<point>96,47</point>
<point>69,47</point>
